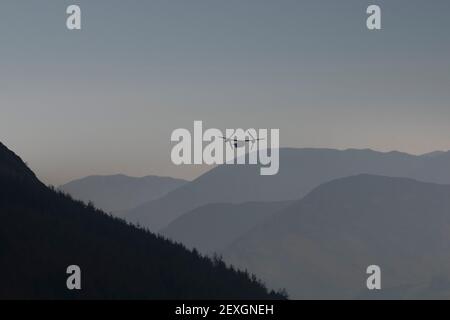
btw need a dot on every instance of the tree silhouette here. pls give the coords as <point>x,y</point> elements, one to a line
<point>43,231</point>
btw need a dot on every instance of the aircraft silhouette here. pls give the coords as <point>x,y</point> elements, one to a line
<point>235,142</point>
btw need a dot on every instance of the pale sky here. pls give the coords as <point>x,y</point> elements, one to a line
<point>105,99</point>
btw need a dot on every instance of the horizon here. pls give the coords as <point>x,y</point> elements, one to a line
<point>106,98</point>
<point>207,168</point>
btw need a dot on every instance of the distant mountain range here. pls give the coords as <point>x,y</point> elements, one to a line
<point>312,229</point>
<point>43,231</point>
<point>320,246</point>
<point>212,228</point>
<point>301,170</point>
<point>117,193</point>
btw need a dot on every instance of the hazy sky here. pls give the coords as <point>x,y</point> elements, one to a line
<point>105,99</point>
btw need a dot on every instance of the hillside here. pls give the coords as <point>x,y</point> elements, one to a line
<point>321,246</point>
<point>117,193</point>
<point>301,170</point>
<point>42,232</point>
<point>213,227</point>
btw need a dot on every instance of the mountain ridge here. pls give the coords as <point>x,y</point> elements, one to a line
<point>43,231</point>
<point>301,170</point>
<point>326,240</point>
<point>119,192</point>
<point>212,227</point>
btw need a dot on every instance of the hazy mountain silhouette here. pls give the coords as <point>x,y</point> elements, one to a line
<point>215,226</point>
<point>433,154</point>
<point>301,170</point>
<point>119,192</point>
<point>321,246</point>
<point>42,232</point>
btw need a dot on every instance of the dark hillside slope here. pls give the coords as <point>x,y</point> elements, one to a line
<point>42,232</point>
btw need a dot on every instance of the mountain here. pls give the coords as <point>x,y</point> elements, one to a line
<point>44,231</point>
<point>301,170</point>
<point>213,227</point>
<point>320,246</point>
<point>433,154</point>
<point>117,193</point>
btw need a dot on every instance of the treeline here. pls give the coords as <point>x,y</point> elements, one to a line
<point>43,231</point>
